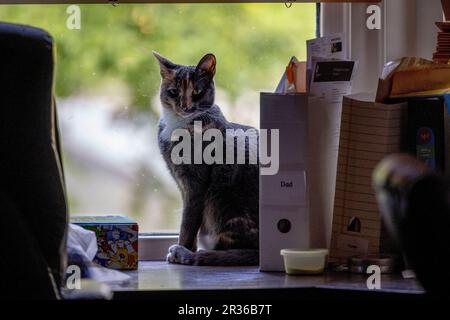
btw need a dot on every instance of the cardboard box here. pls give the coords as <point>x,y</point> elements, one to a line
<point>284,200</point>
<point>369,131</point>
<point>117,240</point>
<point>309,137</point>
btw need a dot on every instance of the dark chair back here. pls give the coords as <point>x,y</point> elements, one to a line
<point>32,191</point>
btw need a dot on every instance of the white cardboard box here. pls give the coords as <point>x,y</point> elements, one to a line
<point>284,197</point>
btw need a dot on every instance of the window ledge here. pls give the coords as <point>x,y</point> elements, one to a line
<point>161,279</point>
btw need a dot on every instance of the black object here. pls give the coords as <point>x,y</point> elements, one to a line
<point>426,132</point>
<point>415,204</point>
<point>33,211</point>
<point>284,225</point>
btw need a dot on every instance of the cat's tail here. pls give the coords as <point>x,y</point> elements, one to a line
<point>232,257</point>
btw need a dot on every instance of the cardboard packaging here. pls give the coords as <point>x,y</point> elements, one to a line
<point>369,131</point>
<point>117,240</point>
<point>284,200</point>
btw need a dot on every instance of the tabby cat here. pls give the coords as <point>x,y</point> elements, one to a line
<point>220,201</point>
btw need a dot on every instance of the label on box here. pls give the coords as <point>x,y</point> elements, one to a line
<point>352,245</point>
<point>287,188</point>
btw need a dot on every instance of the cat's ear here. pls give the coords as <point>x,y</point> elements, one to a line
<point>207,65</point>
<point>166,66</point>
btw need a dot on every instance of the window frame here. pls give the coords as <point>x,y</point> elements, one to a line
<point>409,23</point>
<point>154,246</point>
<point>176,1</point>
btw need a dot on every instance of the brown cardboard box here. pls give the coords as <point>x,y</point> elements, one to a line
<point>369,131</point>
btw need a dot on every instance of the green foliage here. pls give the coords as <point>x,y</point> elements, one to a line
<point>252,42</point>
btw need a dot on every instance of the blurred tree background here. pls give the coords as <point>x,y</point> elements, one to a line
<point>107,82</point>
<point>252,42</point>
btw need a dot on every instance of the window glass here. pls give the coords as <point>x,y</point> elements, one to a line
<point>107,88</point>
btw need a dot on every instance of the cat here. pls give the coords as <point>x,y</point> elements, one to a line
<point>220,201</point>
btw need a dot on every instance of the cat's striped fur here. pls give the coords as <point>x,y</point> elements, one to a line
<point>220,201</point>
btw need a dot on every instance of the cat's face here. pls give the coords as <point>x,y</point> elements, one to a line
<point>187,90</point>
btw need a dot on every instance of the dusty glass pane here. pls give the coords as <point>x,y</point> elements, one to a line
<point>107,82</point>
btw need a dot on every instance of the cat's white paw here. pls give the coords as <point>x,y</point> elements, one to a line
<point>180,255</point>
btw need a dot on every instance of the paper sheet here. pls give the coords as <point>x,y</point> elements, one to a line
<point>330,77</point>
<point>328,47</point>
<point>331,80</point>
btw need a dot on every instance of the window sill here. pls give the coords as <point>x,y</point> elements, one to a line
<point>160,279</point>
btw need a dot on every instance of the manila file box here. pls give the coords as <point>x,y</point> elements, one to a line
<point>284,200</point>
<point>369,131</point>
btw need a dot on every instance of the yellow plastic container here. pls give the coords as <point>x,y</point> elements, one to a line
<point>304,261</point>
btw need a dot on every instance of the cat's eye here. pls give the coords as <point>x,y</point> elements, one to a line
<point>197,92</point>
<point>173,92</point>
